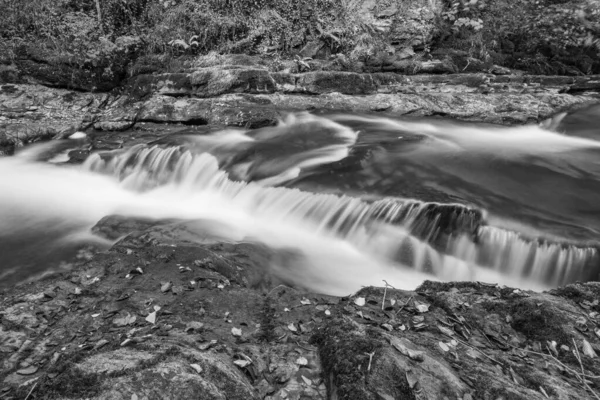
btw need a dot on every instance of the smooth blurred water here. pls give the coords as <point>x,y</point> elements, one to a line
<point>358,198</point>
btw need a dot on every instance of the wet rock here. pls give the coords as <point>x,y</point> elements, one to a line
<point>322,82</point>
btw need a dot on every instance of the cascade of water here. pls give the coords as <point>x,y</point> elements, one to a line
<point>511,253</point>
<point>407,231</point>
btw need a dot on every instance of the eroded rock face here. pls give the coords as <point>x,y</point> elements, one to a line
<point>160,317</point>
<point>253,96</point>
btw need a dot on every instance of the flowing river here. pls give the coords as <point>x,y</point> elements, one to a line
<point>353,199</point>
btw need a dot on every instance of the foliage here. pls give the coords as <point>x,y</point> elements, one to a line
<point>543,36</point>
<point>539,35</point>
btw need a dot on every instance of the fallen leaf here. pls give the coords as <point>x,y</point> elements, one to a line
<point>236,332</point>
<point>305,301</point>
<point>292,327</point>
<point>302,361</point>
<point>124,321</point>
<point>151,317</point>
<point>360,301</point>
<point>165,287</point>
<point>412,354</point>
<point>588,350</point>
<point>421,307</point>
<point>194,326</point>
<point>444,346</point>
<point>101,343</point>
<point>306,380</point>
<point>206,346</point>
<point>446,331</point>
<point>197,368</point>
<point>242,363</point>
<point>327,312</point>
<point>28,371</point>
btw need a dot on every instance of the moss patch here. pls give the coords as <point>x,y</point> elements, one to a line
<point>344,350</point>
<point>538,323</point>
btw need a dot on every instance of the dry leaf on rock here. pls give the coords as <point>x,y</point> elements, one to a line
<point>360,301</point>
<point>588,350</point>
<point>151,317</point>
<point>404,350</point>
<point>302,361</point>
<point>124,321</point>
<point>197,368</point>
<point>446,331</point>
<point>306,380</point>
<point>165,286</point>
<point>421,307</point>
<point>242,363</point>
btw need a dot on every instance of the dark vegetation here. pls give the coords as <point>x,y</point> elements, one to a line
<point>344,352</point>
<point>108,40</point>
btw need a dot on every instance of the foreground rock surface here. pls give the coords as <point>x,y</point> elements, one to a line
<point>158,317</point>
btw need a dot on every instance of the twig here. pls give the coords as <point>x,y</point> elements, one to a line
<point>583,371</point>
<point>384,293</point>
<point>404,305</point>
<point>370,360</point>
<point>31,391</point>
<point>557,360</point>
<point>578,356</point>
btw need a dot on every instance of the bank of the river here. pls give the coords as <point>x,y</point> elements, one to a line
<point>244,93</point>
<point>157,317</point>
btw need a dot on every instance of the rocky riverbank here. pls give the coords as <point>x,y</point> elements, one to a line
<point>244,93</point>
<point>157,317</point>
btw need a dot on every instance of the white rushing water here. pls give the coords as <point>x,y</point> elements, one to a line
<point>341,242</point>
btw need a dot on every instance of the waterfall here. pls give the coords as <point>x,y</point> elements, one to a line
<point>446,240</point>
